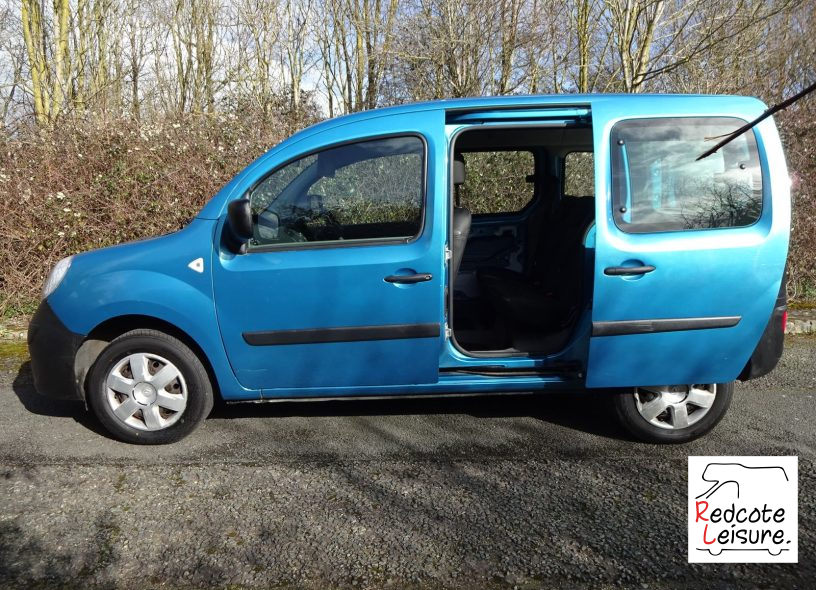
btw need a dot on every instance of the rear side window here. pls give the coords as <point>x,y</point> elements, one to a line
<point>370,190</point>
<point>579,174</point>
<point>497,182</point>
<point>658,184</point>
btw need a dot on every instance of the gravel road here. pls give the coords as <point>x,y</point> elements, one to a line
<point>516,491</point>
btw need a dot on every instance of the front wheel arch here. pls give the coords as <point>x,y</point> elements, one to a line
<point>103,334</point>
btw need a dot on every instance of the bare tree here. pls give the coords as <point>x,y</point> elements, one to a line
<point>356,48</point>
<point>294,47</point>
<point>202,56</point>
<point>258,36</point>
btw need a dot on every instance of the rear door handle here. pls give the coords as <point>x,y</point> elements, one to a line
<point>625,271</point>
<point>409,279</point>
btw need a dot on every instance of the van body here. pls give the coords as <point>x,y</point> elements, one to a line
<point>470,246</point>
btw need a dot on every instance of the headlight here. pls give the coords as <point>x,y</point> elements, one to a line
<point>55,276</point>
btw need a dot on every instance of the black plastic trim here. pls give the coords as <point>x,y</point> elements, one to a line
<point>557,369</point>
<point>53,349</point>
<point>344,334</point>
<point>769,349</point>
<point>620,328</point>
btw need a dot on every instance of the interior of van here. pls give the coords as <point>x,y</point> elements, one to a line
<point>523,203</point>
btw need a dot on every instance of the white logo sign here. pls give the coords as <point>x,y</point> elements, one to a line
<point>743,509</point>
<point>197,265</point>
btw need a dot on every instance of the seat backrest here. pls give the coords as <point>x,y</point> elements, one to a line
<point>566,269</point>
<point>461,230</point>
<point>541,219</point>
<point>459,175</point>
<point>461,217</point>
<point>560,251</point>
<point>458,169</point>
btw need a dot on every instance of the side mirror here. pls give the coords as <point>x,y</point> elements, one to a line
<point>239,225</point>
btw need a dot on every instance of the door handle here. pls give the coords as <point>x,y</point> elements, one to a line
<point>626,271</point>
<point>409,279</point>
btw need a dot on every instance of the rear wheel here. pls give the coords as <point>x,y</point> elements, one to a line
<point>673,413</point>
<point>147,387</point>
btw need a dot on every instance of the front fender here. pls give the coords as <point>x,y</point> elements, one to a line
<point>151,278</point>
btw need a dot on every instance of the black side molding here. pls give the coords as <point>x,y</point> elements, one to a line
<point>620,328</point>
<point>344,334</point>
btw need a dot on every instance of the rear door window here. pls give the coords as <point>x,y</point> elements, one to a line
<point>579,174</point>
<point>659,185</point>
<point>497,182</point>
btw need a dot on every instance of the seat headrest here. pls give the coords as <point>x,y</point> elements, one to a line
<point>458,169</point>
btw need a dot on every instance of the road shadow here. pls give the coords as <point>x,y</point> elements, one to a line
<point>23,387</point>
<point>586,411</point>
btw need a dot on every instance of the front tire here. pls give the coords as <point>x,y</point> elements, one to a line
<point>147,387</point>
<point>672,413</point>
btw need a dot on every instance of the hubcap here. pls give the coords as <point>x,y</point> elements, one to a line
<point>673,407</point>
<point>146,391</point>
<point>144,394</point>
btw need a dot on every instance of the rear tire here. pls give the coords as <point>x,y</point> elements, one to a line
<point>673,414</point>
<point>147,387</point>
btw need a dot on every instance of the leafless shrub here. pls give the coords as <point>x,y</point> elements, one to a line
<point>87,185</point>
<point>798,133</point>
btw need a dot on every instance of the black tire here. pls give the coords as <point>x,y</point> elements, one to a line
<point>199,395</point>
<point>625,405</point>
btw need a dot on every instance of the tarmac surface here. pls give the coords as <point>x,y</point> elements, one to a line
<point>520,491</point>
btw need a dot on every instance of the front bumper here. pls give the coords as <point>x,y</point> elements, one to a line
<point>53,349</point>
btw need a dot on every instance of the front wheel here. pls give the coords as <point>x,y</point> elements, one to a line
<point>147,387</point>
<point>673,413</point>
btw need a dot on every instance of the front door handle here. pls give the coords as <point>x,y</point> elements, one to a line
<point>409,279</point>
<point>627,271</point>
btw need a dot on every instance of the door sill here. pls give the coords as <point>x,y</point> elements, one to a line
<point>570,370</point>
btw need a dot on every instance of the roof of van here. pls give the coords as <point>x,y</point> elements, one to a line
<point>626,102</point>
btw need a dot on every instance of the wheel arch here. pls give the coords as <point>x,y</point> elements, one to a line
<point>101,335</point>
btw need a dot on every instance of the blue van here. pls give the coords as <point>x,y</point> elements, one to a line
<point>468,246</point>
